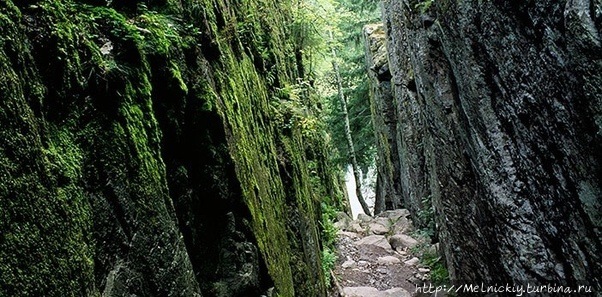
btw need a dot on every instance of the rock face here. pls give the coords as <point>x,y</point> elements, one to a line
<point>498,107</point>
<point>142,152</point>
<point>388,192</point>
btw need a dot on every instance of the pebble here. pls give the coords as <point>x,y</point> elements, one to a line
<point>412,262</point>
<point>388,260</point>
<point>348,263</point>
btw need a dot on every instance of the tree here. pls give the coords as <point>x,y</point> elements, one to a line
<point>348,136</point>
<point>336,60</point>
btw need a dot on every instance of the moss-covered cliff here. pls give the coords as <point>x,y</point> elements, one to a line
<point>151,149</point>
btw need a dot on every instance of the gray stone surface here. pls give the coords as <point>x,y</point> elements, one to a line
<point>412,262</point>
<point>354,227</point>
<point>402,241</point>
<point>378,229</point>
<point>364,218</point>
<point>403,225</point>
<point>498,112</point>
<point>388,192</point>
<point>373,292</point>
<point>394,214</point>
<point>388,260</point>
<point>375,240</point>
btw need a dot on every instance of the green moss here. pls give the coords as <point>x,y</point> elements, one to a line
<point>45,223</point>
<point>242,96</point>
<point>83,185</point>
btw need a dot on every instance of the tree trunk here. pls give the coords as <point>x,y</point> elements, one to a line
<point>354,165</point>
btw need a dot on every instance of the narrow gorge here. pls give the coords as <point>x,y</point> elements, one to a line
<point>196,147</point>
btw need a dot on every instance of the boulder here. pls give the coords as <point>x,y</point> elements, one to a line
<point>363,218</point>
<point>375,240</point>
<point>388,260</point>
<point>348,263</point>
<point>355,227</point>
<point>412,262</point>
<point>378,229</point>
<point>348,234</point>
<point>397,292</point>
<point>383,221</point>
<point>343,216</point>
<point>402,226</point>
<point>343,221</point>
<point>395,214</point>
<point>401,241</point>
<point>361,292</point>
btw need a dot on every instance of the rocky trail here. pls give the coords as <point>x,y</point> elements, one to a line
<point>377,257</point>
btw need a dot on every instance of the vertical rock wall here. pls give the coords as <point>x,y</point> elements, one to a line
<point>388,192</point>
<point>498,111</point>
<point>143,151</point>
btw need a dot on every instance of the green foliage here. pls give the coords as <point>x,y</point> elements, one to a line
<point>329,258</point>
<point>348,45</point>
<point>426,216</point>
<point>44,215</point>
<point>329,231</point>
<point>438,274</point>
<point>430,258</point>
<point>293,107</point>
<point>160,32</point>
<point>329,235</point>
<point>423,6</point>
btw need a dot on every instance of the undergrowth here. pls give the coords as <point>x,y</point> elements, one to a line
<point>430,258</point>
<point>329,233</point>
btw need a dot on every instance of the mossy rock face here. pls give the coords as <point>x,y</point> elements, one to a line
<point>141,153</point>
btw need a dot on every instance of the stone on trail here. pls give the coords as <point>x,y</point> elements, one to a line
<point>395,214</point>
<point>348,263</point>
<point>375,240</point>
<point>400,241</point>
<point>343,221</point>
<point>378,229</point>
<point>355,227</point>
<point>341,215</point>
<point>388,260</point>
<point>374,292</point>
<point>362,217</point>
<point>341,225</point>
<point>348,234</point>
<point>397,292</point>
<point>361,292</point>
<point>383,221</point>
<point>412,262</point>
<point>402,226</point>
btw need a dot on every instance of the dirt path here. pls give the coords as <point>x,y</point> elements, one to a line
<point>375,257</point>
